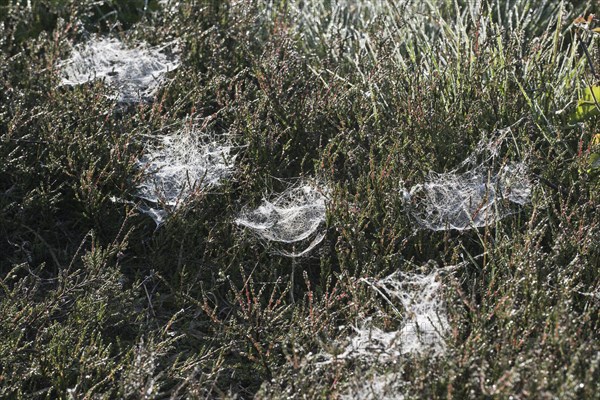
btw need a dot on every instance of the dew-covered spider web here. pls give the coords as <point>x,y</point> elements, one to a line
<point>179,165</point>
<point>294,219</point>
<point>421,298</point>
<point>134,73</point>
<point>170,5</point>
<point>482,190</point>
<point>379,387</point>
<point>418,298</point>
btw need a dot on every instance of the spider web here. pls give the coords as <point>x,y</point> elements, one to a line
<point>133,73</point>
<point>177,167</point>
<point>294,217</point>
<point>387,386</point>
<point>424,325</point>
<point>481,191</point>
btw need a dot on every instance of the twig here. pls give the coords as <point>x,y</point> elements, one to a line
<point>587,55</point>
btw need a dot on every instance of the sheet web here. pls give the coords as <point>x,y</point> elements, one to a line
<point>293,219</point>
<point>481,191</point>
<point>134,73</point>
<point>389,386</point>
<point>418,298</point>
<point>179,165</point>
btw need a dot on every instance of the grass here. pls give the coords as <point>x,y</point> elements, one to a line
<point>368,97</point>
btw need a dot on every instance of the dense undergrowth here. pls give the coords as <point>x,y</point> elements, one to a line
<point>364,98</point>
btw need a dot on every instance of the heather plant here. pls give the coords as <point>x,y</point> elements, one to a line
<point>299,199</point>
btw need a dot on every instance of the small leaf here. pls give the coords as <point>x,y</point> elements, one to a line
<point>596,30</point>
<point>596,139</point>
<point>579,21</point>
<point>588,104</point>
<point>594,161</point>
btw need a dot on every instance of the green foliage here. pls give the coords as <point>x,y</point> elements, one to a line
<point>588,105</point>
<point>365,96</point>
